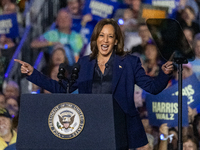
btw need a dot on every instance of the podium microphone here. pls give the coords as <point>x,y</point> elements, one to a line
<point>75,72</point>
<point>61,72</point>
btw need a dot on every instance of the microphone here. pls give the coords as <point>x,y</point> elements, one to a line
<point>75,72</point>
<point>61,71</point>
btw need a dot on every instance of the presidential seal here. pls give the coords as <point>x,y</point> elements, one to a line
<point>66,120</point>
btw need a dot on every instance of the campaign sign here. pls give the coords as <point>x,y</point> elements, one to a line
<point>190,89</point>
<point>9,25</point>
<point>100,8</point>
<point>162,108</point>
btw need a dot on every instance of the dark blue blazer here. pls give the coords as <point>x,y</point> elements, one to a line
<point>127,72</point>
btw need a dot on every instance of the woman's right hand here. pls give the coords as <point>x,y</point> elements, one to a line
<point>25,67</point>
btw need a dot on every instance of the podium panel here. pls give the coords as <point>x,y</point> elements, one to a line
<point>102,122</point>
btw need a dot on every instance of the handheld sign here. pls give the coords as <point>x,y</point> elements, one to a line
<point>100,9</point>
<point>9,25</point>
<point>190,88</point>
<point>163,108</point>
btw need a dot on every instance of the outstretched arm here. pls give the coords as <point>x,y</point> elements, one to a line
<point>41,80</point>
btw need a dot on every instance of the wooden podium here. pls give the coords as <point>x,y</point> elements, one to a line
<point>103,123</point>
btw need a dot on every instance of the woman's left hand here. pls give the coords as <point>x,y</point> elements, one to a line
<point>168,67</point>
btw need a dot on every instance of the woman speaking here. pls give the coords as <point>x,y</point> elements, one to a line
<point>109,70</point>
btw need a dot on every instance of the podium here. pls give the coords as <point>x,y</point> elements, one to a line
<point>102,123</point>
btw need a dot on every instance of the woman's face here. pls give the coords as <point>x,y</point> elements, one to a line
<point>188,15</point>
<point>151,52</point>
<point>12,106</point>
<point>106,41</point>
<point>189,145</point>
<point>74,6</point>
<point>58,57</point>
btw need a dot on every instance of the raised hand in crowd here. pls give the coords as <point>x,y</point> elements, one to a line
<point>164,129</point>
<point>26,68</point>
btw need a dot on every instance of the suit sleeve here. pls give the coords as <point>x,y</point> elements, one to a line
<point>149,84</point>
<point>47,83</point>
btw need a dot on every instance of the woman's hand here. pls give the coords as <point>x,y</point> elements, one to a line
<point>25,67</point>
<point>168,67</point>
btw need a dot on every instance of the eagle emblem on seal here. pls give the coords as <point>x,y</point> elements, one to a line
<point>66,119</point>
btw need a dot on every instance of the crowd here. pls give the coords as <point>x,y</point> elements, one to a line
<point>69,39</point>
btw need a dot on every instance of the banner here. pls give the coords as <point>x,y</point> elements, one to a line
<point>190,89</point>
<point>9,25</point>
<point>100,8</point>
<point>162,109</point>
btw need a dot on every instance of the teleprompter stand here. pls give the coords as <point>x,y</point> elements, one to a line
<point>173,46</point>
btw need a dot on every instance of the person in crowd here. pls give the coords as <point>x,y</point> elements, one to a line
<point>145,37</point>
<point>186,72</point>
<point>12,106</point>
<point>7,49</point>
<point>129,27</point>
<point>63,34</point>
<point>138,97</point>
<point>190,143</point>
<point>11,89</point>
<point>187,19</point>
<point>2,101</point>
<point>163,143</point>
<point>189,35</point>
<point>152,63</point>
<point>129,23</point>
<point>7,135</point>
<point>183,3</point>
<point>109,70</point>
<point>196,126</point>
<point>196,63</point>
<point>5,42</point>
<point>57,57</point>
<point>151,141</point>
<point>83,22</point>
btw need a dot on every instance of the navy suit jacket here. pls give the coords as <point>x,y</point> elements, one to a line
<point>127,72</point>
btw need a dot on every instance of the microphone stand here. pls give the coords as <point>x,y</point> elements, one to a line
<point>68,84</point>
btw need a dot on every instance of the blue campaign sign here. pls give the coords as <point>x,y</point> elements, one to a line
<point>9,25</point>
<point>165,105</point>
<point>162,108</point>
<point>100,8</point>
<point>190,89</point>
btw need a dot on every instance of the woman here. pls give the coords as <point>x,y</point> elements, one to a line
<point>152,62</point>
<point>109,70</point>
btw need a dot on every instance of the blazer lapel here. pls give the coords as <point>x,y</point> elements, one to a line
<point>117,71</point>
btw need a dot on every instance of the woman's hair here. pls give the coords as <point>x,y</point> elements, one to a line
<point>195,124</point>
<point>119,48</point>
<point>192,138</point>
<point>61,48</point>
<point>190,8</point>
